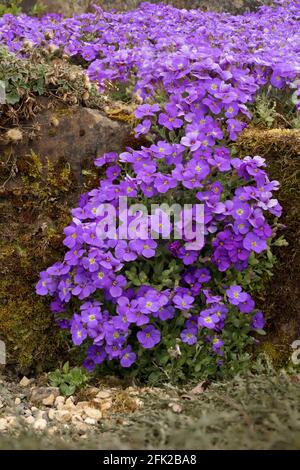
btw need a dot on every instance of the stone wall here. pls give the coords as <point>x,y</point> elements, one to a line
<point>69,8</point>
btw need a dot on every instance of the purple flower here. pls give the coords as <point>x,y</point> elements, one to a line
<point>146,110</point>
<point>254,243</point>
<point>166,313</point>
<point>170,121</point>
<point>143,128</point>
<point>208,319</point>
<point>79,334</point>
<point>73,235</point>
<point>193,77</point>
<point>113,172</point>
<point>46,284</point>
<point>128,357</point>
<point>217,345</point>
<point>189,336</point>
<point>91,317</point>
<point>248,305</point>
<point>149,303</point>
<point>89,365</point>
<point>91,261</point>
<point>235,295</point>
<point>117,286</point>
<point>191,141</point>
<point>145,248</point>
<point>137,317</point>
<point>149,337</point>
<point>97,354</point>
<point>183,302</point>
<point>163,183</point>
<point>240,211</point>
<point>258,321</point>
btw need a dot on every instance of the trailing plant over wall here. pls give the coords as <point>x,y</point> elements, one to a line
<point>153,305</point>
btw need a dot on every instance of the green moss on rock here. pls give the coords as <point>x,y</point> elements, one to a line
<point>280,299</point>
<point>31,228</point>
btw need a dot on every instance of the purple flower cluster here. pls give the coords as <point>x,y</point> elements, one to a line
<point>195,74</point>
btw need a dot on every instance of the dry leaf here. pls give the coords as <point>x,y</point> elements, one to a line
<point>199,389</point>
<point>175,407</point>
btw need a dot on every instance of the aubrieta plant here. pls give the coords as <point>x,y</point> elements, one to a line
<point>154,304</point>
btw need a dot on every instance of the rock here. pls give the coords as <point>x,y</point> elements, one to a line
<point>30,420</point>
<point>51,414</point>
<point>3,425</point>
<point>70,7</point>
<point>40,425</point>
<point>11,422</point>
<point>59,402</point>
<point>90,421</point>
<point>1,404</point>
<point>93,413</point>
<point>41,394</point>
<point>53,169</point>
<point>17,401</point>
<point>24,382</point>
<point>103,394</point>
<point>106,405</point>
<point>49,401</point>
<point>81,134</point>
<point>39,414</point>
<point>63,416</point>
<point>69,404</point>
<point>81,405</point>
<point>92,391</point>
<point>77,419</point>
<point>67,8</point>
<point>124,422</point>
<point>52,431</point>
<point>82,428</point>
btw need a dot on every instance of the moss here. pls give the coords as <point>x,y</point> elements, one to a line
<point>280,299</point>
<point>279,354</point>
<point>35,209</point>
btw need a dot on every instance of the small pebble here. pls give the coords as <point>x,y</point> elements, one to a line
<point>40,425</point>
<point>24,382</point>
<point>90,421</point>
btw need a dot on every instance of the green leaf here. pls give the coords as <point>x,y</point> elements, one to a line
<point>261,332</point>
<point>77,376</point>
<point>281,241</point>
<point>13,97</point>
<point>55,378</point>
<point>67,390</point>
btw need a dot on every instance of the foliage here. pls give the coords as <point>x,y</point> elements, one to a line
<point>69,380</point>
<point>127,301</point>
<point>276,108</point>
<point>39,74</point>
<point>11,7</point>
